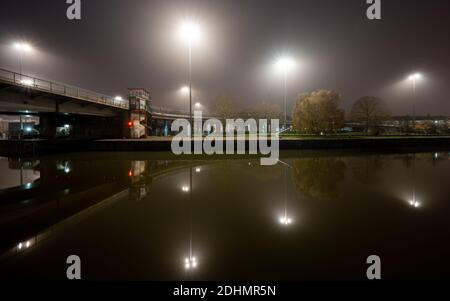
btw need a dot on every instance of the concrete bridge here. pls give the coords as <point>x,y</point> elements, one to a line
<point>66,111</point>
<point>82,113</point>
<point>25,93</point>
<point>62,108</point>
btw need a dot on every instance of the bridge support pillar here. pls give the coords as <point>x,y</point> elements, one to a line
<point>83,127</point>
<point>47,126</point>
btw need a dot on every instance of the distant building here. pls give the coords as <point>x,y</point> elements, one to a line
<point>399,124</point>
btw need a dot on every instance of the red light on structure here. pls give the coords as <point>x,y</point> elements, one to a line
<point>130,124</point>
<point>130,174</point>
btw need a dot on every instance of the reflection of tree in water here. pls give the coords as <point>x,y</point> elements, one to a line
<point>367,169</point>
<point>319,177</point>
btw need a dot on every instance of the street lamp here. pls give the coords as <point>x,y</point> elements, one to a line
<point>191,33</point>
<point>26,82</point>
<point>285,64</point>
<point>185,90</point>
<point>22,48</point>
<point>414,78</point>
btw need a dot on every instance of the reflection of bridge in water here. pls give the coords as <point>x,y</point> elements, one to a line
<point>73,188</point>
<point>69,185</point>
<point>76,188</point>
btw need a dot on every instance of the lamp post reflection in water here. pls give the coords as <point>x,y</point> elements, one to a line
<point>190,262</point>
<point>413,202</point>
<point>23,246</point>
<point>285,220</point>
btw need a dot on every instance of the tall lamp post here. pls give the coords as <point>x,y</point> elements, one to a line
<point>285,64</point>
<point>191,32</point>
<point>414,78</point>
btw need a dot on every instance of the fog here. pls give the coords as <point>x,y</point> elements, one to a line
<point>121,44</point>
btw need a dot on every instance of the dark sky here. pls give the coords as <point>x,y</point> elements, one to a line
<point>132,43</point>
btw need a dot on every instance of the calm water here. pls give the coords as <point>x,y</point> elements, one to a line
<point>139,216</point>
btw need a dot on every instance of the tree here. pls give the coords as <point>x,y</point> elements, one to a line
<point>318,112</point>
<point>319,177</point>
<point>226,106</point>
<point>370,111</point>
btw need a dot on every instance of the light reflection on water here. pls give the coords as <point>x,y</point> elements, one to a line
<point>20,173</point>
<point>316,215</point>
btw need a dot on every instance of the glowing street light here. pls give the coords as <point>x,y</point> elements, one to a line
<point>185,189</point>
<point>27,82</point>
<point>191,32</point>
<point>118,98</point>
<point>22,48</point>
<point>285,64</point>
<point>185,90</point>
<point>285,220</point>
<point>414,78</point>
<point>198,105</point>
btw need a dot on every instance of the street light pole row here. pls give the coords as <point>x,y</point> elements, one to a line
<point>191,32</point>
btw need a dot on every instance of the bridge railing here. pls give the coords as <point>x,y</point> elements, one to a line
<point>60,89</point>
<point>165,111</point>
<point>169,113</point>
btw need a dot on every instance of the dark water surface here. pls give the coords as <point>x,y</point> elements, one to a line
<point>138,216</point>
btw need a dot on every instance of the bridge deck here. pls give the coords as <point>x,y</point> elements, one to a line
<point>42,85</point>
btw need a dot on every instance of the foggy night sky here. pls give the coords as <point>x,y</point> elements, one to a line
<point>132,43</point>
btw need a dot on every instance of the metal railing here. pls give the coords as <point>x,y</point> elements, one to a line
<point>60,89</point>
<point>165,111</point>
<point>176,113</point>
